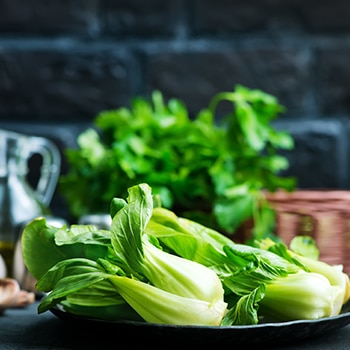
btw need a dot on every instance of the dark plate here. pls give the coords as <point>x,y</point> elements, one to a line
<point>262,334</point>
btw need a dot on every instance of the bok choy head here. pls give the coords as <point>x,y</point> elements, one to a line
<point>142,253</point>
<point>260,281</point>
<point>132,276</point>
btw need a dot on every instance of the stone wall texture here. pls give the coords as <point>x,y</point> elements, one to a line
<point>61,62</point>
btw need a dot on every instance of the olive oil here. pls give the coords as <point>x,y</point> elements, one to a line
<point>7,252</point>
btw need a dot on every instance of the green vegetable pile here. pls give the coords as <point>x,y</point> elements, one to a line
<point>207,168</point>
<point>154,266</point>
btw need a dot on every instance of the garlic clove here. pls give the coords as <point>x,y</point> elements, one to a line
<point>11,295</point>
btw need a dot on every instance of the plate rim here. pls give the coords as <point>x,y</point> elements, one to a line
<point>262,334</point>
<point>59,311</point>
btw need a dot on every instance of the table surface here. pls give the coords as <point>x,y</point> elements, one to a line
<point>24,328</point>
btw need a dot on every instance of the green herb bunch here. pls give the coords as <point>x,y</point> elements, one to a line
<point>206,168</point>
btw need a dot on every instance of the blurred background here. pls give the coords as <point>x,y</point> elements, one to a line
<point>62,62</point>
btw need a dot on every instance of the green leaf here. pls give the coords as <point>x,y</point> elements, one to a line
<point>65,278</point>
<point>128,226</point>
<point>231,213</point>
<point>39,237</point>
<point>244,310</point>
<point>191,162</point>
<point>306,246</point>
<point>53,244</point>
<point>158,306</point>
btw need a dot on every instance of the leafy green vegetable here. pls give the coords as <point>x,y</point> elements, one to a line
<point>132,274</point>
<point>208,168</point>
<point>154,266</point>
<point>166,271</point>
<point>266,280</point>
<point>55,244</point>
<point>140,301</point>
<point>306,255</point>
<point>303,295</point>
<point>159,306</point>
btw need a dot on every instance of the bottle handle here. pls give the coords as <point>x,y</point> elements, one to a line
<point>50,168</point>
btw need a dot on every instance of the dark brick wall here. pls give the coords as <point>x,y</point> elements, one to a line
<point>61,62</point>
